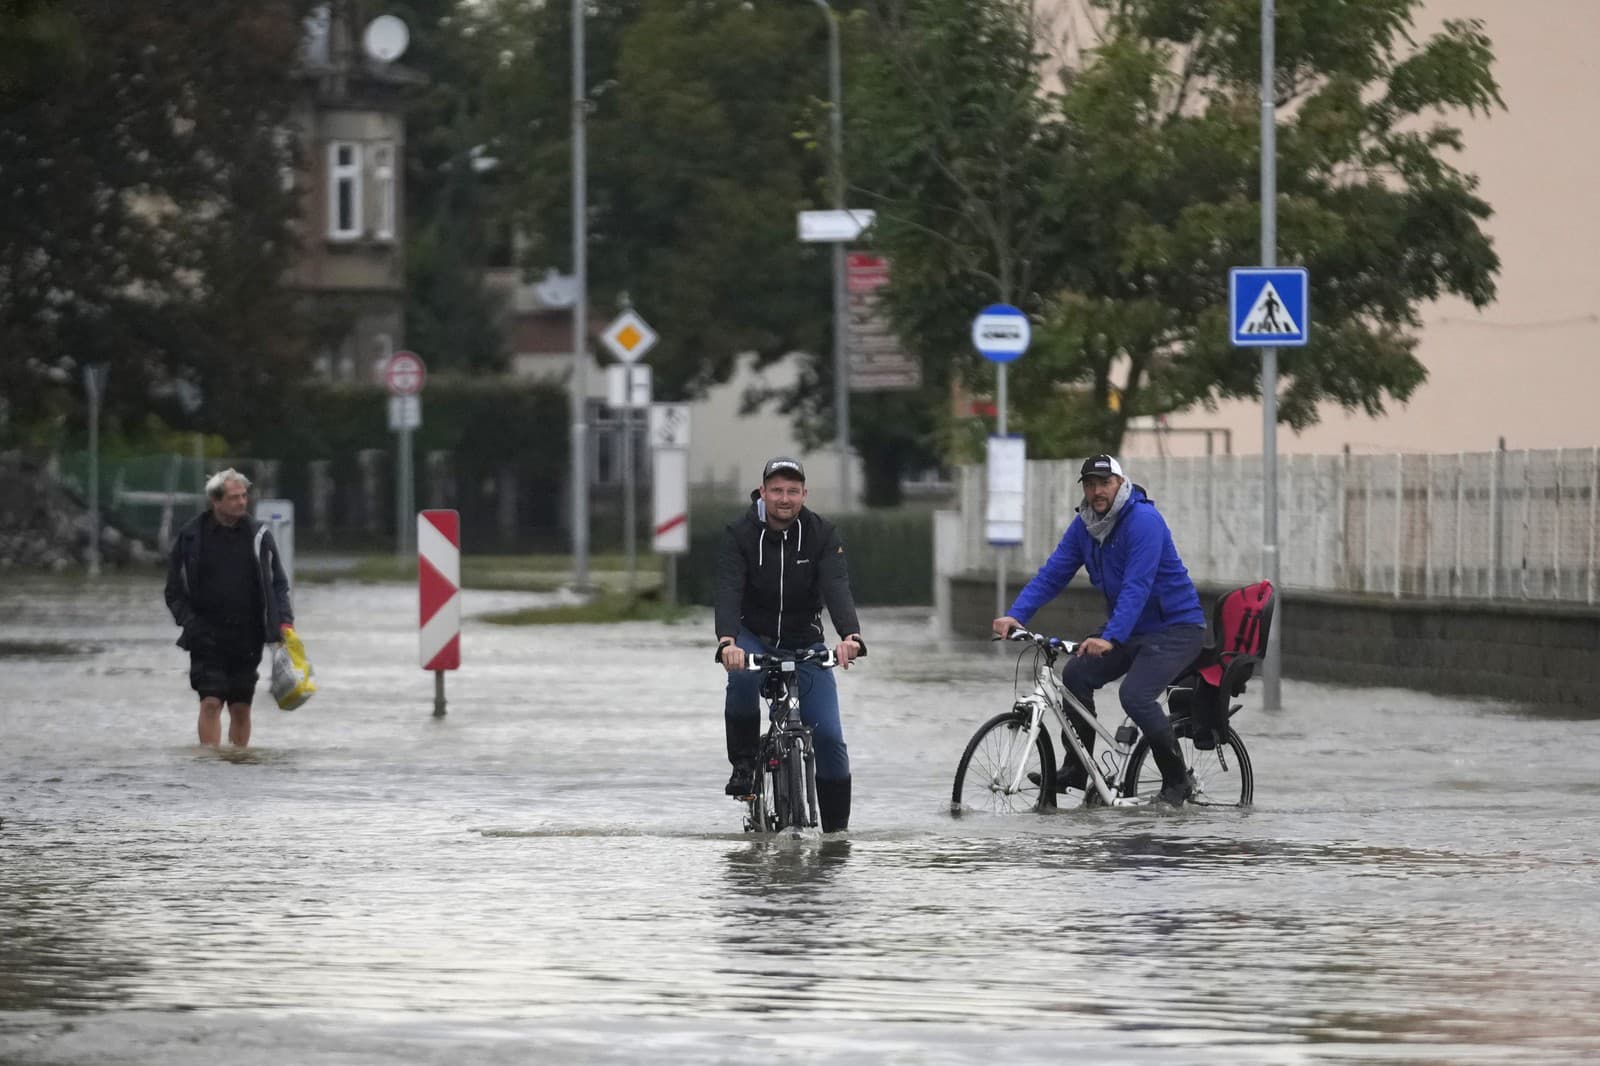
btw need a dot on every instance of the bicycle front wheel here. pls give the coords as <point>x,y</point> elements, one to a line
<point>1001,773</point>
<point>1222,775</point>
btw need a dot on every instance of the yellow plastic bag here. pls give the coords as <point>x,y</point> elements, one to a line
<point>292,681</point>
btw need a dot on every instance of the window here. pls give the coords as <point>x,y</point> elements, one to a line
<point>344,191</point>
<point>383,185</point>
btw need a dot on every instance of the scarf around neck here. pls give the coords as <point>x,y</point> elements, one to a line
<point>1100,526</point>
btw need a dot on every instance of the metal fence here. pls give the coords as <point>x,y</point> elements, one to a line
<point>1502,525</point>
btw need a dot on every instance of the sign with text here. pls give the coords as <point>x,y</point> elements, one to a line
<point>1007,483</point>
<point>878,361</point>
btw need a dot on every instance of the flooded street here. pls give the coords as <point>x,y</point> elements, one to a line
<point>551,874</point>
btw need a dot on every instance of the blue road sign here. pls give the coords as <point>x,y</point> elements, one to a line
<point>1269,307</point>
<point>1001,333</point>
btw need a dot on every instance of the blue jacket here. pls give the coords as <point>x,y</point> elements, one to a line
<point>1146,585</point>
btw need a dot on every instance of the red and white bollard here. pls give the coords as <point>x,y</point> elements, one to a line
<point>439,593</point>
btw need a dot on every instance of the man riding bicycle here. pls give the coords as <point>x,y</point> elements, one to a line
<point>1155,625</point>
<point>779,565</point>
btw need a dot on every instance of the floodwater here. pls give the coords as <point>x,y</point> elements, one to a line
<point>550,873</point>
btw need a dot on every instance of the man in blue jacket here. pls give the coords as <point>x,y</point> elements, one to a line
<point>1155,625</point>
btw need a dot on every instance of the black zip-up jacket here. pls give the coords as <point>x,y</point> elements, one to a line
<point>183,578</point>
<point>776,582</point>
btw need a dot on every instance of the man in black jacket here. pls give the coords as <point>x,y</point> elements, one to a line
<point>780,564</point>
<point>227,589</point>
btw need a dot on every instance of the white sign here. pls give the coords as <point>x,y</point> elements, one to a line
<point>1001,333</point>
<point>669,492</point>
<point>278,517</point>
<point>627,386</point>
<point>1007,476</point>
<point>405,412</point>
<point>404,374</point>
<point>832,227</point>
<point>669,425</point>
<point>629,336</point>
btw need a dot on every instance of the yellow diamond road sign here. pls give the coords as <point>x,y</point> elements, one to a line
<point>629,336</point>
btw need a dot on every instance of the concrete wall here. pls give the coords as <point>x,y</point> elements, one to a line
<point>1545,655</point>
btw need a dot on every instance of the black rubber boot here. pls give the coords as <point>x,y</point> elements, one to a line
<point>1174,775</point>
<point>744,739</point>
<point>833,799</point>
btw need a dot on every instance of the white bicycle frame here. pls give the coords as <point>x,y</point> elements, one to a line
<point>1050,694</point>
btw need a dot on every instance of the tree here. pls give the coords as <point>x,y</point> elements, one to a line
<point>451,213</point>
<point>960,137</point>
<point>1110,203</point>
<point>696,169</point>
<point>146,222</point>
<point>1161,190</point>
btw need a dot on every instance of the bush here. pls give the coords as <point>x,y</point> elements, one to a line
<point>890,555</point>
<point>489,427</point>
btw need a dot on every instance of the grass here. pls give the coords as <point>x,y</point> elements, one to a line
<point>609,607</point>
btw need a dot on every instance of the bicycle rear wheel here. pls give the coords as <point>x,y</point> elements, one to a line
<point>987,777</point>
<point>1223,776</point>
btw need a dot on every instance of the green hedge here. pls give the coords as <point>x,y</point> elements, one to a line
<point>890,555</point>
<point>484,423</point>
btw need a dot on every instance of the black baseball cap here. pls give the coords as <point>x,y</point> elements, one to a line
<point>1100,466</point>
<point>784,465</point>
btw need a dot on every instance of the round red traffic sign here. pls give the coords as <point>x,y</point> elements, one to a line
<point>404,373</point>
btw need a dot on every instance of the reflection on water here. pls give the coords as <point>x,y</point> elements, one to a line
<point>551,873</point>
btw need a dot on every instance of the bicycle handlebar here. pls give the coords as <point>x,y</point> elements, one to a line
<point>1054,645</point>
<point>760,661</point>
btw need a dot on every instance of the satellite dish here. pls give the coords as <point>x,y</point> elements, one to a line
<point>385,38</point>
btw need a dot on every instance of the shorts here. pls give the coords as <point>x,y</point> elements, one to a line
<point>225,669</point>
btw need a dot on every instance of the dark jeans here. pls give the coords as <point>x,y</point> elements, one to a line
<point>1151,661</point>
<point>819,709</point>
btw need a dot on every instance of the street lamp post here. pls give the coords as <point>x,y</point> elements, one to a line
<point>580,308</point>
<point>1272,684</point>
<point>841,369</point>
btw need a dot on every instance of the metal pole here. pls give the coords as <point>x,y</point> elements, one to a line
<point>438,693</point>
<point>628,547</point>
<point>404,519</point>
<point>1271,685</point>
<point>1527,516</point>
<point>841,367</point>
<point>579,472</point>
<point>1457,576</point>
<point>1496,476</point>
<point>1399,517</point>
<point>672,581</point>
<point>1555,541</point>
<point>1594,499</point>
<point>1427,535</point>
<point>1000,601</point>
<point>94,378</point>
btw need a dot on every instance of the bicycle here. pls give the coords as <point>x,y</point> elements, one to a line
<point>785,796</point>
<point>1009,766</point>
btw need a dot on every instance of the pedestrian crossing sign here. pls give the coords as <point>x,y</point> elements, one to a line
<point>1269,306</point>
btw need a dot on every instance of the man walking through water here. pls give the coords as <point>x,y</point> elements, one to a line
<point>226,588</point>
<point>1155,627</point>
